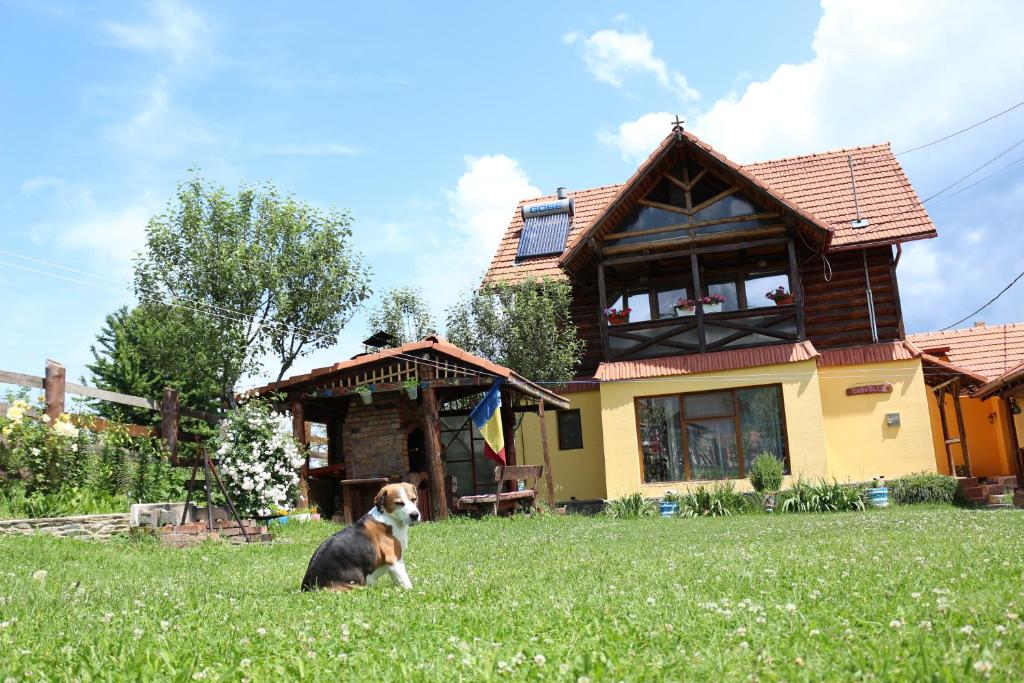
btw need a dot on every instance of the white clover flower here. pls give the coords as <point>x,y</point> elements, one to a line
<point>983,667</point>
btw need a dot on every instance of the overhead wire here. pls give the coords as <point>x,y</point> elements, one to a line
<point>962,130</point>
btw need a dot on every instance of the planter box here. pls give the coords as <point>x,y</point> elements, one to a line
<point>366,398</point>
<point>878,497</point>
<point>1000,499</point>
<point>412,392</point>
<point>785,301</point>
<point>682,312</point>
<point>712,308</point>
<point>618,320</point>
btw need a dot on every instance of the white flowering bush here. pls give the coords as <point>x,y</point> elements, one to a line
<point>52,453</point>
<point>258,458</point>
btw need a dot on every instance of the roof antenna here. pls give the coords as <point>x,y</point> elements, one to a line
<point>859,222</point>
<point>677,127</point>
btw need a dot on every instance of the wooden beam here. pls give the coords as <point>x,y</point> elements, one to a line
<point>727,236</point>
<point>697,293</point>
<point>663,207</point>
<point>113,396</point>
<point>712,249</point>
<point>432,441</point>
<point>676,181</point>
<point>1013,441</point>
<point>53,389</point>
<point>549,476</point>
<point>299,433</point>
<point>21,379</point>
<point>718,197</point>
<point>765,215</point>
<point>508,426</point>
<point>602,319</point>
<point>696,179</point>
<point>960,427</point>
<point>169,422</point>
<point>940,400</point>
<point>796,288</point>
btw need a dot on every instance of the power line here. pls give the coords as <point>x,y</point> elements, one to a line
<point>987,304</point>
<point>962,130</point>
<point>982,179</point>
<point>992,160</point>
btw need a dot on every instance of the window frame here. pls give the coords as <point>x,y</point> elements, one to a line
<point>684,435</point>
<point>558,425</point>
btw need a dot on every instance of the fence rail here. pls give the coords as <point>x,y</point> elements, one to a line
<point>55,389</point>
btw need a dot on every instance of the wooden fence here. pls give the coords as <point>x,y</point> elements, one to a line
<point>56,387</point>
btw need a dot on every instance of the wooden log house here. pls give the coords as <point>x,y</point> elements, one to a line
<point>706,372</point>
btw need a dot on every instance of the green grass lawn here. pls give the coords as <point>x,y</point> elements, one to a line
<point>917,594</point>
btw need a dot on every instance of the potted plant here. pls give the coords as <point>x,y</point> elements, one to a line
<point>878,494</point>
<point>766,478</point>
<point>780,296</point>
<point>712,303</point>
<point>617,317</point>
<point>1000,498</point>
<point>411,387</point>
<point>365,394</point>
<point>314,513</point>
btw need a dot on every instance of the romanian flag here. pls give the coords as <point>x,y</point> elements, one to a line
<point>487,418</point>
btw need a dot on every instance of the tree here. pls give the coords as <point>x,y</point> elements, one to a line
<point>252,274</point>
<point>404,314</point>
<point>525,327</point>
<point>142,351</point>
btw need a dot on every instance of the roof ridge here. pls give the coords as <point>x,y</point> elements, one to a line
<point>829,152</point>
<point>974,329</point>
<point>571,192</point>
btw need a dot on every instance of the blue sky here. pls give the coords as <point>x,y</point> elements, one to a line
<point>429,120</point>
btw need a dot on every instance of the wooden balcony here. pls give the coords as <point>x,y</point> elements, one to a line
<point>703,332</point>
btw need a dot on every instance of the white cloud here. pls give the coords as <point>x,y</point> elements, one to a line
<point>112,238</point>
<point>66,193</point>
<point>173,28</point>
<point>613,56</point>
<point>637,139</point>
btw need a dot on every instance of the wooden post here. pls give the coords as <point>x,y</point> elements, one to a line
<point>299,432</point>
<point>1014,442</point>
<point>169,422</point>
<point>698,293</point>
<point>939,394</point>
<point>53,389</point>
<point>797,290</point>
<point>508,425</point>
<point>432,439</point>
<point>602,320</point>
<point>960,427</point>
<point>549,477</point>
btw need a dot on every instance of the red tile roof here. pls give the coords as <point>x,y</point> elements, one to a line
<point>988,350</point>
<point>815,187</point>
<point>434,343</point>
<point>870,353</point>
<point>717,361</point>
<point>820,183</point>
<point>1013,378</point>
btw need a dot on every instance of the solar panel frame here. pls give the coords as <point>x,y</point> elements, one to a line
<point>543,235</point>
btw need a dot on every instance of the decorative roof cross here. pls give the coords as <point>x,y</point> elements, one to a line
<point>677,127</point>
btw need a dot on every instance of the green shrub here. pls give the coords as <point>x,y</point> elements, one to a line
<point>824,496</point>
<point>721,501</point>
<point>630,507</point>
<point>15,504</point>
<point>766,473</point>
<point>923,487</point>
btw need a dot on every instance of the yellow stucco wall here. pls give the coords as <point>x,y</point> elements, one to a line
<point>578,473</point>
<point>804,424</point>
<point>987,441</point>
<point>860,445</point>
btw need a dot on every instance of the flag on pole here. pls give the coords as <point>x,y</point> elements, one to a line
<point>487,418</point>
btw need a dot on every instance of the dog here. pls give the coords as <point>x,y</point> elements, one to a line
<point>358,554</point>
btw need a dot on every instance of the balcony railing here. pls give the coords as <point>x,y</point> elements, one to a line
<point>703,332</point>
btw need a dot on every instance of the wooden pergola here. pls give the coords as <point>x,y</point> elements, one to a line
<point>371,402</point>
<point>945,378</point>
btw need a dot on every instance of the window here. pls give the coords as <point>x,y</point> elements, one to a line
<point>759,285</point>
<point>639,304</point>
<point>710,435</point>
<point>667,299</point>
<point>570,430</point>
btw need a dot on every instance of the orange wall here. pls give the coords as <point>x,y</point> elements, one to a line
<point>986,441</point>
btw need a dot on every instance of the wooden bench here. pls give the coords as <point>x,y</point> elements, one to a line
<point>501,501</point>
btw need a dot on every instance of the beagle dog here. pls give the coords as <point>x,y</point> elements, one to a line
<point>358,554</point>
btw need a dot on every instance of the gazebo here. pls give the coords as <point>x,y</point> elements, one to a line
<point>384,415</point>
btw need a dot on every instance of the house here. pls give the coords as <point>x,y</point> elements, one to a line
<point>707,372</point>
<point>976,378</point>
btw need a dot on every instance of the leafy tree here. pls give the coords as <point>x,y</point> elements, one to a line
<point>404,314</point>
<point>525,326</point>
<point>143,350</point>
<point>252,274</point>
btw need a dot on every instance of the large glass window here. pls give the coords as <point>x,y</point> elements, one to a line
<point>638,302</point>
<point>757,286</point>
<point>667,299</point>
<point>710,435</point>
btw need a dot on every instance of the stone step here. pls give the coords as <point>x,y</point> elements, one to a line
<point>972,493</point>
<point>967,481</point>
<point>1008,481</point>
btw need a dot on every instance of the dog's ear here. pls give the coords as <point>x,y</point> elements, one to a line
<point>378,500</point>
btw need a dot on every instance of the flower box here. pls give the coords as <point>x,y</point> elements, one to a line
<point>785,300</point>
<point>412,391</point>
<point>618,320</point>
<point>713,308</point>
<point>683,311</point>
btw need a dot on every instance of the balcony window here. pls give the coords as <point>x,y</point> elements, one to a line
<point>667,299</point>
<point>757,286</point>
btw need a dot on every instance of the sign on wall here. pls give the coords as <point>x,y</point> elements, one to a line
<point>870,389</point>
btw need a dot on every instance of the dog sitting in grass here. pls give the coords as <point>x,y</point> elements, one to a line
<point>358,554</point>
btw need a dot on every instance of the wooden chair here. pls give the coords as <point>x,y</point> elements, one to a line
<point>501,500</point>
